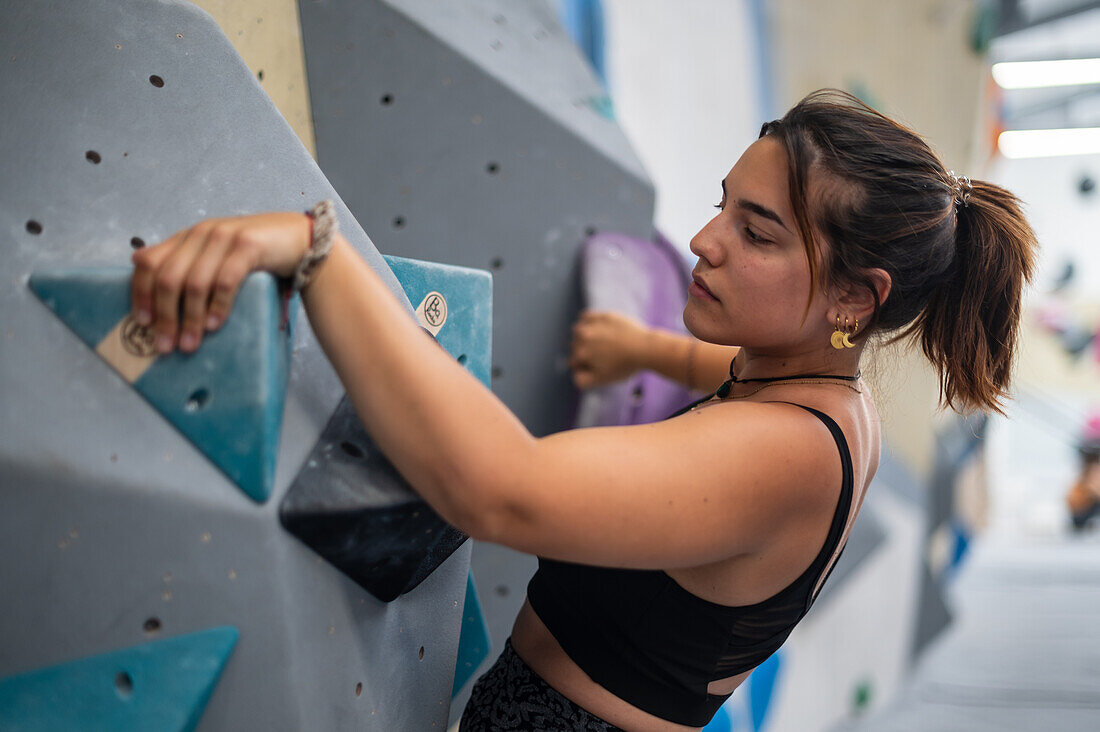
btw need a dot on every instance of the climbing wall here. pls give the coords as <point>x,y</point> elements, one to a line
<point>139,561</point>
<point>475,133</point>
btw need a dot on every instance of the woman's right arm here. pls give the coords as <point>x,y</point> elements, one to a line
<point>608,347</point>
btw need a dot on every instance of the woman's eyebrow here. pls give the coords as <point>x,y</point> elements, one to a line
<point>764,211</point>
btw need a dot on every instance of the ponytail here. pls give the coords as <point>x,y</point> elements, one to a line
<point>970,326</point>
<point>957,255</point>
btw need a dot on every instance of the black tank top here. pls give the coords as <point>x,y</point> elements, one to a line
<point>650,642</point>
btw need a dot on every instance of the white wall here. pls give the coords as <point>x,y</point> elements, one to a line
<point>1067,223</point>
<point>683,77</point>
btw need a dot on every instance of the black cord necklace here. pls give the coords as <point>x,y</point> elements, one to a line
<point>727,385</point>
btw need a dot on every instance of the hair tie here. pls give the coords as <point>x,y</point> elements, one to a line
<point>960,189</point>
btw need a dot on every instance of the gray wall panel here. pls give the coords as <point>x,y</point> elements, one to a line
<point>441,160</point>
<point>107,515</point>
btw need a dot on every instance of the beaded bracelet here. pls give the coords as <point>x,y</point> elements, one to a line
<point>323,228</point>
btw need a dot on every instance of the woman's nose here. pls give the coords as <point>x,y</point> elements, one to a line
<point>703,244</point>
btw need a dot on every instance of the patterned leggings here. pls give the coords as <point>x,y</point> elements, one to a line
<point>510,696</point>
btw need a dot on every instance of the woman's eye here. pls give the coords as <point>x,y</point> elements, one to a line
<point>752,235</point>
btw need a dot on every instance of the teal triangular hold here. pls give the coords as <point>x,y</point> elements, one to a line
<point>468,332</point>
<point>227,397</point>
<point>473,640</point>
<point>162,685</point>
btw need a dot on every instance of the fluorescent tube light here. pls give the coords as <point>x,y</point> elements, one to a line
<point>1032,74</point>
<point>1048,143</point>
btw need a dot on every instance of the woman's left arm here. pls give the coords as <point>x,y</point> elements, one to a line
<point>660,496</point>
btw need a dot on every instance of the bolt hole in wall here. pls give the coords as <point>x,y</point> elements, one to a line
<point>260,74</point>
<point>462,359</point>
<point>156,81</point>
<point>386,100</point>
<point>92,157</point>
<point>492,168</point>
<point>151,625</point>
<point>399,222</point>
<point>359,689</point>
<point>34,227</point>
<point>124,684</point>
<point>197,400</point>
<point>352,449</point>
<point>421,653</point>
<point>497,263</point>
<point>136,242</point>
<point>497,372</point>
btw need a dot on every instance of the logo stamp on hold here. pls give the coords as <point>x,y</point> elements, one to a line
<point>137,339</point>
<point>435,309</point>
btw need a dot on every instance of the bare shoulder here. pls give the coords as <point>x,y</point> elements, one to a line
<point>779,443</point>
<point>702,487</point>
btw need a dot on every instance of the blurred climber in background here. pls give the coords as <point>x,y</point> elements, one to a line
<point>1083,498</point>
<point>677,556</point>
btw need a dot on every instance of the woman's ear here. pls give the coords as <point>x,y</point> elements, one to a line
<point>857,300</point>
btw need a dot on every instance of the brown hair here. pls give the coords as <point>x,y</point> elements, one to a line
<point>882,199</point>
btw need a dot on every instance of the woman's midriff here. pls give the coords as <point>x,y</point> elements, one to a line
<point>537,647</point>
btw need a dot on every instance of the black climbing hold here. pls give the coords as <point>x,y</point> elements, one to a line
<point>355,510</point>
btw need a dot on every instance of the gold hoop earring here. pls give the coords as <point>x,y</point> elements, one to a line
<point>838,336</point>
<point>847,332</point>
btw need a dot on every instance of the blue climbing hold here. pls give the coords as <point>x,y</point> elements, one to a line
<point>762,685</point>
<point>467,332</point>
<point>226,398</point>
<point>720,722</point>
<point>161,685</point>
<point>473,640</point>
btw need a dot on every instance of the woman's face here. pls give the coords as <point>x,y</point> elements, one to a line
<point>752,279</point>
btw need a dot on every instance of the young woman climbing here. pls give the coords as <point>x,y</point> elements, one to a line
<point>676,556</point>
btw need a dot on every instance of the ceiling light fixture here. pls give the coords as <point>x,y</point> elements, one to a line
<point>1033,74</point>
<point>1049,143</point>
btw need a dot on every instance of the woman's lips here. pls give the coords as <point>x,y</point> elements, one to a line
<point>699,290</point>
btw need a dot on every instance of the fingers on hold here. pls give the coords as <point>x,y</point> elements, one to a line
<point>169,282</point>
<point>200,284</point>
<point>226,284</point>
<point>166,307</point>
<point>147,262</point>
<point>141,295</point>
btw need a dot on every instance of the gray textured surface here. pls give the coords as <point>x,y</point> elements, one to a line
<point>524,47</point>
<point>416,123</point>
<point>413,101</point>
<point>931,499</point>
<point>501,575</point>
<point>1023,653</point>
<point>866,536</point>
<point>107,515</point>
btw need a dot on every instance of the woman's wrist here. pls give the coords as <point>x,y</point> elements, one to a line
<point>323,228</point>
<point>643,345</point>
